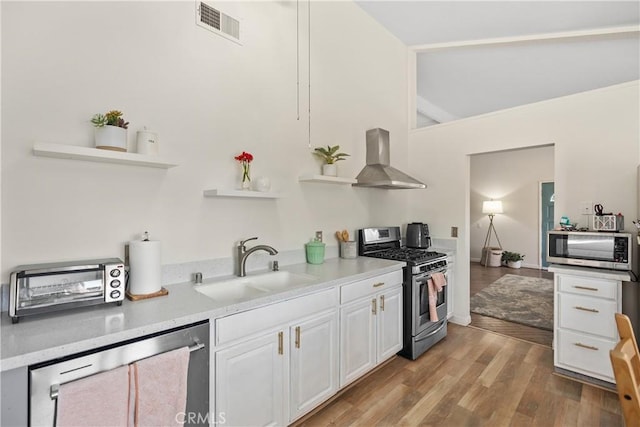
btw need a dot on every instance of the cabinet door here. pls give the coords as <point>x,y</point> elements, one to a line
<point>357,339</point>
<point>314,362</point>
<point>250,386</point>
<point>389,316</point>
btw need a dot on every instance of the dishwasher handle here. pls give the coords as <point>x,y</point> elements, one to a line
<point>55,388</point>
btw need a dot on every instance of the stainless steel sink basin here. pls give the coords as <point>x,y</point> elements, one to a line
<point>245,288</point>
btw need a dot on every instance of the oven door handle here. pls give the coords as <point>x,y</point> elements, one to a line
<point>429,273</point>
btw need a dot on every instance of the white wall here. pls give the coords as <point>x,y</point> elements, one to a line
<point>513,177</point>
<point>596,137</point>
<point>209,99</point>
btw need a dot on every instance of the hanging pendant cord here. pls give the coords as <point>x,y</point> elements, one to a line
<point>298,59</point>
<point>309,68</point>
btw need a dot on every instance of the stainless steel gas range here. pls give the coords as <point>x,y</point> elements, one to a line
<point>420,328</point>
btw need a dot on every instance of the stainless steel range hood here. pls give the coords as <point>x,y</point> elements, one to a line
<point>378,173</point>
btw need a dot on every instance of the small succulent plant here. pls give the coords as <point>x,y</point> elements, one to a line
<point>112,118</point>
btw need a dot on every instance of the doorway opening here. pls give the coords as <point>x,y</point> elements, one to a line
<point>516,178</point>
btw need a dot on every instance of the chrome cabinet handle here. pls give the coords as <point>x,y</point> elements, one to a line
<point>381,302</point>
<point>377,285</point>
<point>297,336</point>
<point>588,347</point>
<point>374,306</point>
<point>586,288</point>
<point>590,310</point>
<point>280,342</point>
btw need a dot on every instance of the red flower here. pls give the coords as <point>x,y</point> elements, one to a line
<point>244,157</point>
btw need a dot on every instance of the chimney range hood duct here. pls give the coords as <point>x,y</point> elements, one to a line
<point>378,173</point>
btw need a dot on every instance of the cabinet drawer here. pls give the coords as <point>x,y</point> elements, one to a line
<point>362,288</point>
<point>260,319</point>
<point>603,288</point>
<point>584,354</point>
<point>591,315</point>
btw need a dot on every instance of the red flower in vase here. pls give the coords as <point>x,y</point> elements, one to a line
<point>244,157</point>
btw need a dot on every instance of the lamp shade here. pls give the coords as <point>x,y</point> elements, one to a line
<point>492,207</point>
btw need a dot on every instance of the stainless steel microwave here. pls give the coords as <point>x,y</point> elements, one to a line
<point>613,251</point>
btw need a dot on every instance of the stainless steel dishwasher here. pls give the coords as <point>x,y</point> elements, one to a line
<point>45,378</point>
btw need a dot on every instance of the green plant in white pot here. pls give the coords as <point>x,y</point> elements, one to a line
<point>110,131</point>
<point>512,259</point>
<point>330,155</point>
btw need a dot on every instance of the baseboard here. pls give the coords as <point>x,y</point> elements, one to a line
<point>460,320</point>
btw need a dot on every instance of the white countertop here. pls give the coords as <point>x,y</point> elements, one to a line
<point>41,338</point>
<point>598,273</point>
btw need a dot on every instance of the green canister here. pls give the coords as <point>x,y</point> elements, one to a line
<point>315,252</point>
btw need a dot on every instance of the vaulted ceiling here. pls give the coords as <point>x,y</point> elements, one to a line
<point>475,57</point>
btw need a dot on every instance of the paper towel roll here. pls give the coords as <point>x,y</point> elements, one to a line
<point>145,270</point>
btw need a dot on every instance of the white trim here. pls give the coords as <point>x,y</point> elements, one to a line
<point>412,83</point>
<point>592,33</point>
<point>507,110</point>
<point>463,321</point>
<point>432,111</point>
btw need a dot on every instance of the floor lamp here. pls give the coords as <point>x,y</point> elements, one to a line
<point>490,207</point>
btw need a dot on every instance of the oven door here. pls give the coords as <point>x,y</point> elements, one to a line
<point>420,298</point>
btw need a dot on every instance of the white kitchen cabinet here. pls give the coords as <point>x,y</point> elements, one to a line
<point>313,347</point>
<point>250,382</point>
<point>370,324</point>
<point>585,302</point>
<point>276,363</point>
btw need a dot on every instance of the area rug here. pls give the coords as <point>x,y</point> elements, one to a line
<point>519,299</point>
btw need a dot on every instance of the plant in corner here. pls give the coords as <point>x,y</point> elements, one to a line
<point>330,155</point>
<point>512,259</point>
<point>111,131</point>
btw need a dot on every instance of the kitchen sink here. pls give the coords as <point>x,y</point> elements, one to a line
<point>234,290</point>
<point>245,288</point>
<point>278,280</point>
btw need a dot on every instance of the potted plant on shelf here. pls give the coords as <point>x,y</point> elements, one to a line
<point>111,131</point>
<point>512,259</point>
<point>330,156</point>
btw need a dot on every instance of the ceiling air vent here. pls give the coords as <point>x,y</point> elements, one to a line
<point>211,18</point>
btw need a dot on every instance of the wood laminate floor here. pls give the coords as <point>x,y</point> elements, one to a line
<point>471,378</point>
<point>480,278</point>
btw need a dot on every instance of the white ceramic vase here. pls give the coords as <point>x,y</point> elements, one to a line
<point>263,184</point>
<point>111,138</point>
<point>330,170</point>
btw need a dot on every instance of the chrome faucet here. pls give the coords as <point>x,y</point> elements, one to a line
<point>243,254</point>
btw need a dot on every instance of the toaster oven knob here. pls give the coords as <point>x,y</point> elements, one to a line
<point>115,294</point>
<point>115,283</point>
<point>115,273</point>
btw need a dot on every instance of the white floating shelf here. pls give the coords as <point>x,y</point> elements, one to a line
<point>74,152</point>
<point>327,179</point>
<point>241,193</point>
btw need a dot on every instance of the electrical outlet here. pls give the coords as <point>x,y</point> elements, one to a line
<point>454,231</point>
<point>586,208</point>
<point>319,236</point>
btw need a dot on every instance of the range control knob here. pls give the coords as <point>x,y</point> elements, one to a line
<point>115,294</point>
<point>115,272</point>
<point>115,283</point>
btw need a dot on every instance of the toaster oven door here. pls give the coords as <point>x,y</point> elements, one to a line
<point>37,293</point>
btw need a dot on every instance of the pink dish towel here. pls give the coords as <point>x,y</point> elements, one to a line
<point>98,400</point>
<point>161,388</point>
<point>433,299</point>
<point>439,280</point>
